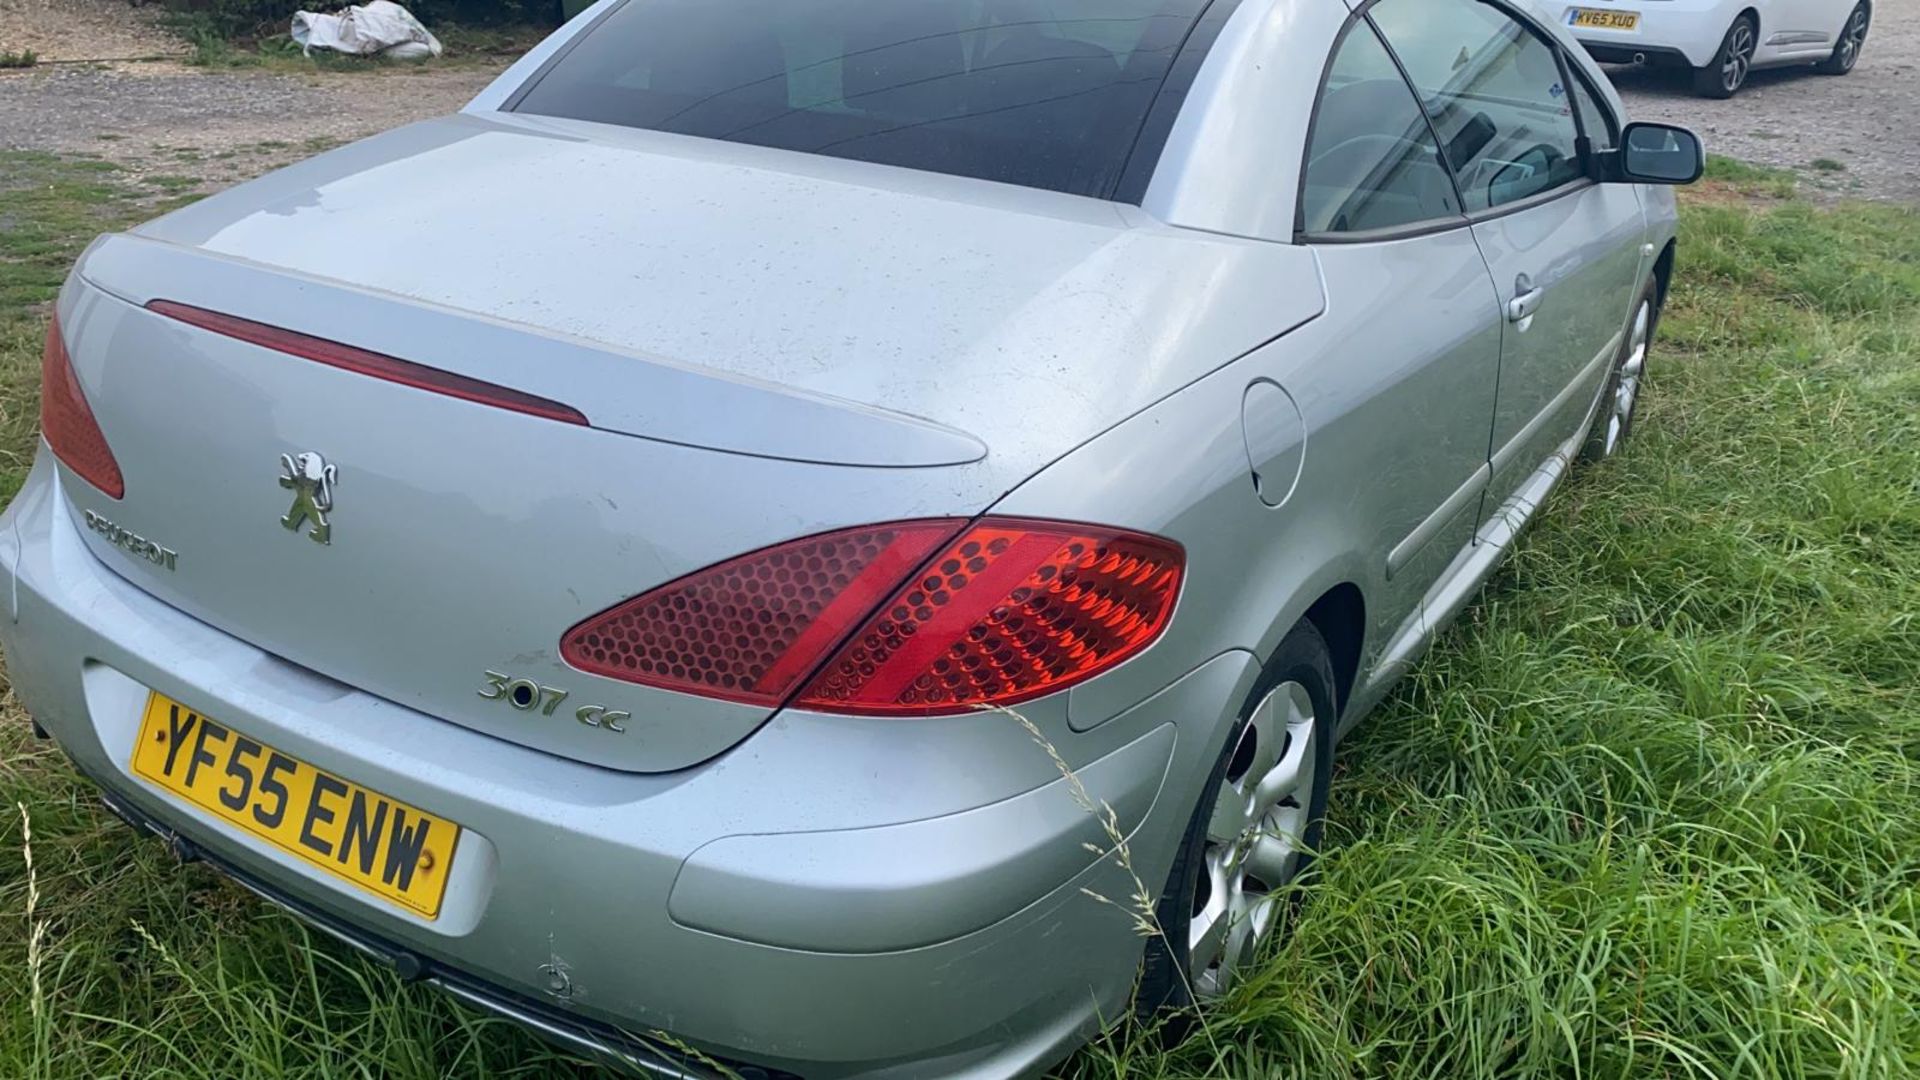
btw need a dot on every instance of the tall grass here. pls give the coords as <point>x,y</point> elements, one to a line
<point>1652,808</point>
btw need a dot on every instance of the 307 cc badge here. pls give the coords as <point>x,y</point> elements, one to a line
<point>529,696</point>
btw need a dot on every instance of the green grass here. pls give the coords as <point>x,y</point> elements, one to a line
<point>1651,809</point>
<point>49,209</point>
<point>25,58</point>
<point>1753,180</point>
<point>174,185</point>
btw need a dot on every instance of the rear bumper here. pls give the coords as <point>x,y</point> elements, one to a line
<point>1650,55</point>
<point>1671,32</point>
<point>920,903</point>
<point>604,1042</point>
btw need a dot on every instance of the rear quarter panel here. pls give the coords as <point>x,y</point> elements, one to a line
<point>1181,470</point>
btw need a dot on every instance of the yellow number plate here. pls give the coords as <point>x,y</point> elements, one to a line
<point>390,849</point>
<point>1604,20</point>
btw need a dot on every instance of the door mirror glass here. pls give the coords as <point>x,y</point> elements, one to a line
<point>1660,154</point>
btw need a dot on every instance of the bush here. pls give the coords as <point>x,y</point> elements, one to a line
<point>249,19</point>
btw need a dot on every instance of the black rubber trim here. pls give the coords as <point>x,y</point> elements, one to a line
<point>1608,119</point>
<point>1582,139</point>
<point>606,1043</point>
<point>1570,188</point>
<point>1381,236</point>
<point>1300,233</point>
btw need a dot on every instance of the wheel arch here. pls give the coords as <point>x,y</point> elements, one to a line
<point>1663,274</point>
<point>1340,614</point>
<point>1847,17</point>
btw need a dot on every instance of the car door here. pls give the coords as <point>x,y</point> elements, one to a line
<point>1565,252</point>
<point>1802,26</point>
<point>1413,321</point>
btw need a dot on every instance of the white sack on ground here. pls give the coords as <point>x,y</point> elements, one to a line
<point>380,27</point>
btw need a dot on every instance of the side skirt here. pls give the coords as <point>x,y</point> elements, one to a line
<point>1471,568</point>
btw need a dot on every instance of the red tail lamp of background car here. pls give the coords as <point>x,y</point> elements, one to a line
<point>907,619</point>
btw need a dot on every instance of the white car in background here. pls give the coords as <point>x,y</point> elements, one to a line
<point>1722,40</point>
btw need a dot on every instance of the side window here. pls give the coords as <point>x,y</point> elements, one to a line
<point>1594,114</point>
<point>1495,92</point>
<point>1373,163</point>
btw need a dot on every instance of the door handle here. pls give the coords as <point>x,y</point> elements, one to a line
<point>1526,299</point>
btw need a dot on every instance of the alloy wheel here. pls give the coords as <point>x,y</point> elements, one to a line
<point>1740,46</point>
<point>1853,38</point>
<point>1626,386</point>
<point>1254,837</point>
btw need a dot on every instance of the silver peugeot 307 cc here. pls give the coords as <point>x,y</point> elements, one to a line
<point>631,553</point>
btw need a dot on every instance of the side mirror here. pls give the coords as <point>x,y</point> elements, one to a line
<point>1653,154</point>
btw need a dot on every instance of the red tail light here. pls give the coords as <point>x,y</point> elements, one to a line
<point>908,619</point>
<point>67,421</point>
<point>750,629</point>
<point>363,362</point>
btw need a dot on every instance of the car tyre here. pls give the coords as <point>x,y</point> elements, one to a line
<point>1727,72</point>
<point>1846,52</point>
<point>1626,382</point>
<point>1285,736</point>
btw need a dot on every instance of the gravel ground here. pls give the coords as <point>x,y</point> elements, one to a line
<point>83,30</point>
<point>1867,123</point>
<point>219,127</point>
<point>206,127</point>
<point>215,127</point>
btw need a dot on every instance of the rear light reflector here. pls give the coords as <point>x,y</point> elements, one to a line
<point>67,420</point>
<point>909,619</point>
<point>751,628</point>
<point>363,362</point>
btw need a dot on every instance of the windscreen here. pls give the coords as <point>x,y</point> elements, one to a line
<point>1043,93</point>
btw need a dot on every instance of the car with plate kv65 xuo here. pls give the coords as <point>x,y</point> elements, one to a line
<point>1722,41</point>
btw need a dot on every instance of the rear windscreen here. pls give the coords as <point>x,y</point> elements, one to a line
<point>1043,93</point>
